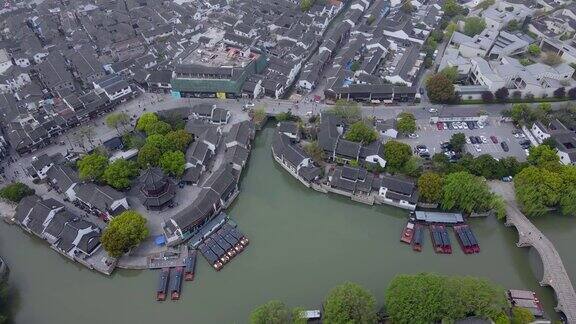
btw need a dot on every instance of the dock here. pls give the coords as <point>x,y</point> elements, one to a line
<point>169,259</point>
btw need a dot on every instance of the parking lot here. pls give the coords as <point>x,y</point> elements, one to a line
<point>432,137</point>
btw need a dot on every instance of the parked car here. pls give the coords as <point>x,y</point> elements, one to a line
<point>445,145</point>
<point>425,155</point>
<point>432,110</point>
<point>494,139</point>
<point>472,139</point>
<point>450,125</point>
<point>471,125</point>
<point>413,135</point>
<point>477,147</point>
<point>440,125</point>
<point>483,139</point>
<point>421,148</point>
<point>507,179</point>
<point>504,146</point>
<point>468,140</point>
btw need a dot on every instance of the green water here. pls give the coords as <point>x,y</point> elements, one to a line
<point>302,244</point>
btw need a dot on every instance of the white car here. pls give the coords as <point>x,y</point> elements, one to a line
<point>483,139</point>
<point>480,125</point>
<point>517,135</point>
<point>527,152</point>
<point>432,110</point>
<point>477,147</point>
<point>468,141</point>
<point>413,135</point>
<point>464,125</point>
<point>249,105</point>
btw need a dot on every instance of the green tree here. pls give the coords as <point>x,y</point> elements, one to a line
<point>349,303</point>
<point>537,189</point>
<point>116,120</point>
<point>148,156</point>
<point>501,318</point>
<point>430,187</point>
<point>349,110</point>
<point>406,123</point>
<point>396,154</point>
<point>450,29</point>
<point>361,132</point>
<point>259,115</point>
<point>315,151</point>
<point>457,141</point>
<point>486,166</point>
<point>305,5</point>
<point>451,8</point>
<point>534,49</point>
<point>273,312</point>
<point>521,315</point>
<point>552,58</point>
<point>431,298</point>
<point>179,140</point>
<point>450,72</point>
<point>92,166</point>
<point>16,191</point>
<point>175,119</point>
<point>542,154</point>
<point>160,142</point>
<point>158,127</point>
<point>173,163</point>
<point>145,120</point>
<point>568,196</point>
<point>474,26</point>
<point>546,107</point>
<point>502,94</point>
<point>413,167</point>
<point>132,141</point>
<point>119,173</point>
<point>466,192</point>
<point>123,233</point>
<point>440,89</point>
<point>407,7</point>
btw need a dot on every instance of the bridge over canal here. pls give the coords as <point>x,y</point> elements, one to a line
<point>555,274</point>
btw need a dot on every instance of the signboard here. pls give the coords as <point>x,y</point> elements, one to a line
<point>176,94</point>
<point>221,95</point>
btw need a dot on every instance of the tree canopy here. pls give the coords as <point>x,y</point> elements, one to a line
<point>466,192</point>
<point>124,232</point>
<point>92,166</point>
<point>361,132</point>
<point>521,315</point>
<point>440,89</point>
<point>396,154</point>
<point>457,141</point>
<point>349,303</point>
<point>276,312</point>
<point>115,120</point>
<point>534,49</point>
<point>430,187</point>
<point>16,191</point>
<point>537,190</point>
<point>451,8</point>
<point>431,298</point>
<point>406,123</point>
<point>349,110</point>
<point>450,72</point>
<point>119,174</point>
<point>543,154</point>
<point>145,120</point>
<point>474,26</point>
<point>149,155</point>
<point>502,94</point>
<point>179,140</point>
<point>173,163</point>
<point>158,127</point>
<point>315,151</point>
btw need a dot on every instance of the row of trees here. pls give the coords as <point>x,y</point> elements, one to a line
<point>420,298</point>
<point>163,147</point>
<point>504,95</point>
<point>546,184</point>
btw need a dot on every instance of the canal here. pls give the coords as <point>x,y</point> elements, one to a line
<point>302,244</point>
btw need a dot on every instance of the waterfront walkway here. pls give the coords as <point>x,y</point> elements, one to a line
<point>555,274</point>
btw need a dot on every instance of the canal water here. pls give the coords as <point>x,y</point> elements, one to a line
<point>303,243</point>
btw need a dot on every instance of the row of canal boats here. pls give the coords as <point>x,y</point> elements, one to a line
<point>223,245</point>
<point>413,234</point>
<point>170,280</point>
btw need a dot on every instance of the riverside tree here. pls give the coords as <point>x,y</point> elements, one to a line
<point>349,303</point>
<point>430,187</point>
<point>466,192</point>
<point>124,232</point>
<point>350,111</point>
<point>276,312</point>
<point>92,166</point>
<point>16,191</point>
<point>537,190</point>
<point>431,298</point>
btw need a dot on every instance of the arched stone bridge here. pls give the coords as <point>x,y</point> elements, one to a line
<point>555,274</point>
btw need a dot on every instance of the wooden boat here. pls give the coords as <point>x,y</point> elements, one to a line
<point>436,239</point>
<point>418,239</point>
<point>190,266</point>
<point>446,245</point>
<point>176,283</point>
<point>408,233</point>
<point>162,284</point>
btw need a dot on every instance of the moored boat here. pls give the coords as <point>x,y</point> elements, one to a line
<point>446,245</point>
<point>190,263</point>
<point>436,239</point>
<point>418,239</point>
<point>162,284</point>
<point>176,283</point>
<point>408,233</point>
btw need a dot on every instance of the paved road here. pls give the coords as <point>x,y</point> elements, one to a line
<point>555,274</point>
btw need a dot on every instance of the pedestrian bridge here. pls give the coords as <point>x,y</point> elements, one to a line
<point>555,274</point>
